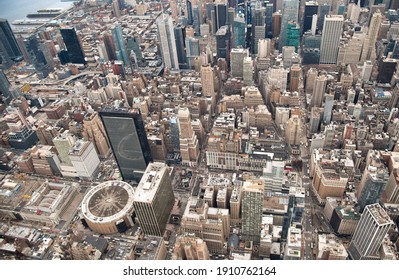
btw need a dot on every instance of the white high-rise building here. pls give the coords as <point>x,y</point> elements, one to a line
<point>264,47</point>
<point>368,51</point>
<point>370,232</point>
<point>167,42</point>
<point>353,12</point>
<point>367,70</point>
<point>247,71</point>
<point>84,159</point>
<point>314,24</point>
<point>330,39</point>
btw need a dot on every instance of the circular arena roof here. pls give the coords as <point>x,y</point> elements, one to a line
<point>108,201</point>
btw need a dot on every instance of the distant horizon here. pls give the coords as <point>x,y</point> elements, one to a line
<point>18,9</point>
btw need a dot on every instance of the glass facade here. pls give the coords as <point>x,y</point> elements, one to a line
<point>126,133</point>
<point>71,41</point>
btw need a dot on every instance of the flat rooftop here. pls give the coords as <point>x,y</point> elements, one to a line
<point>379,214</point>
<point>150,182</point>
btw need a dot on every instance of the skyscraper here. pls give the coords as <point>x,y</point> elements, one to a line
<point>292,130</point>
<point>167,42</point>
<point>295,77</point>
<point>319,89</point>
<point>276,27</point>
<point>36,55</point>
<point>330,39</point>
<point>94,131</point>
<point>223,43</point>
<point>290,13</point>
<point>323,11</point>
<point>189,8</point>
<point>192,50</point>
<point>247,72</point>
<point>121,53</point>
<point>251,210</point>
<point>370,231</point>
<point>258,26</point>
<point>236,62</point>
<point>5,94</point>
<point>196,20</point>
<point>133,49</point>
<point>84,159</point>
<point>311,8</point>
<point>128,139</point>
<point>116,9</point>
<point>374,180</point>
<point>220,15</point>
<point>9,49</point>
<point>153,199</point>
<point>72,44</point>
<point>368,51</point>
<point>269,20</point>
<point>328,106</point>
<point>293,35</point>
<point>181,53</point>
<point>189,147</point>
<point>264,48</point>
<point>207,80</point>
<point>239,27</point>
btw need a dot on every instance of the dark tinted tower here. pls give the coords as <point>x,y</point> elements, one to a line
<point>71,41</point>
<point>9,49</point>
<point>126,133</point>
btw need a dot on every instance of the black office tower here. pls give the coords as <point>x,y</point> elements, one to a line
<point>72,44</point>
<point>324,10</point>
<point>189,12</point>
<point>223,43</point>
<point>9,49</point>
<point>311,8</point>
<point>126,133</point>
<point>181,53</point>
<point>220,15</point>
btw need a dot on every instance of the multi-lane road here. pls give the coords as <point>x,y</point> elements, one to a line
<point>313,220</point>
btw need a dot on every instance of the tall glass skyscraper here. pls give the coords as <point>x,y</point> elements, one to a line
<point>9,49</point>
<point>121,52</point>
<point>290,13</point>
<point>220,15</point>
<point>293,35</point>
<point>196,20</point>
<point>323,11</point>
<point>223,43</point>
<point>128,139</point>
<point>181,54</point>
<point>239,32</point>
<point>72,44</point>
<point>189,12</point>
